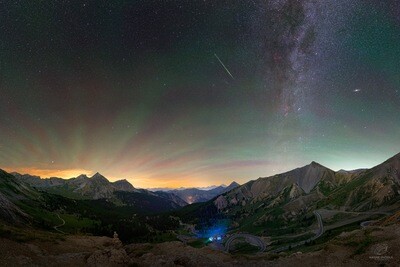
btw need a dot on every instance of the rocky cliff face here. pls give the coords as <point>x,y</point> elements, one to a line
<point>10,212</point>
<point>11,192</point>
<point>221,203</point>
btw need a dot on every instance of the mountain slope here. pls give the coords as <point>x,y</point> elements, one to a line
<point>371,188</point>
<point>13,195</point>
<point>172,197</point>
<point>298,181</point>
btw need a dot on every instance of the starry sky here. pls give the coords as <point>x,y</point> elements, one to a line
<point>194,93</point>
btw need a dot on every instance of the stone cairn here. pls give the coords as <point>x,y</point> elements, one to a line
<point>117,243</point>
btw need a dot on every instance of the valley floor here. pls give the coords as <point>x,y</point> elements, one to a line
<point>372,246</point>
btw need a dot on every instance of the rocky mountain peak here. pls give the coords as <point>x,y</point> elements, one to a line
<point>310,175</point>
<point>99,177</point>
<point>233,184</point>
<point>314,164</point>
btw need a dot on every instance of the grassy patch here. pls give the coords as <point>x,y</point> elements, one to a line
<point>25,235</point>
<point>64,191</point>
<point>41,216</point>
<point>75,224</point>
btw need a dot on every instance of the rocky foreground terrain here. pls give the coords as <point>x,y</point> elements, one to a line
<point>375,245</point>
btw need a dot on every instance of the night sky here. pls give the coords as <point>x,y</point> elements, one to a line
<point>194,93</point>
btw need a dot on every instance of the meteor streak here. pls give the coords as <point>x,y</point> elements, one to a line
<point>223,65</point>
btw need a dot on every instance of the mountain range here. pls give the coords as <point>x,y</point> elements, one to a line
<point>94,187</point>
<point>287,202</point>
<point>98,187</point>
<point>277,203</point>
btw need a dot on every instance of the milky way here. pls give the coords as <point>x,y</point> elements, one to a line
<point>133,89</point>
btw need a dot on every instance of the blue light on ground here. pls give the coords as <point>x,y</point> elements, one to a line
<point>215,238</point>
<point>212,233</point>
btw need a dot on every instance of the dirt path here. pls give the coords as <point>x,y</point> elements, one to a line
<point>63,223</point>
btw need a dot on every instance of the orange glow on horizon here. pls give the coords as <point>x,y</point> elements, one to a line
<point>46,173</point>
<point>165,182</point>
<point>141,181</point>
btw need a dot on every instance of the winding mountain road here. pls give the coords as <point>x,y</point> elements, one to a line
<point>63,223</point>
<point>321,226</point>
